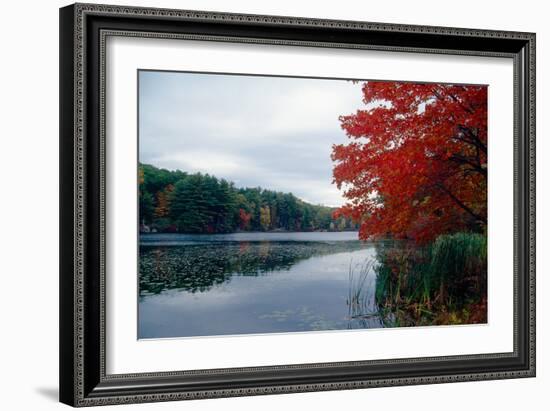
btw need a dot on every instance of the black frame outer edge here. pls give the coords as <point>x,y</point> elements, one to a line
<point>66,203</point>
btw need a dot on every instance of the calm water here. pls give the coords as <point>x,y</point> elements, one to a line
<point>248,283</point>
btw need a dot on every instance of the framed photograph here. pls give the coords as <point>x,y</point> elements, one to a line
<point>262,204</point>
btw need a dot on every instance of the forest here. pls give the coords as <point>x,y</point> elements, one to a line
<point>179,202</point>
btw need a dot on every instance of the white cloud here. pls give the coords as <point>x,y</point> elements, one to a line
<point>193,161</point>
<point>272,132</point>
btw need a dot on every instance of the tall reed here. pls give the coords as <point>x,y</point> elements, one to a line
<point>448,275</point>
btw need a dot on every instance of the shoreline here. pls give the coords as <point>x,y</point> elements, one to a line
<point>250,232</point>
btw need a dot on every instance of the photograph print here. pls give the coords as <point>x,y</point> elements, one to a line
<point>271,204</point>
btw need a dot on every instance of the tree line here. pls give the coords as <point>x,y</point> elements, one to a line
<point>176,201</point>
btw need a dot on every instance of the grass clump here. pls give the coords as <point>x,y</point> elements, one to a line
<point>444,282</point>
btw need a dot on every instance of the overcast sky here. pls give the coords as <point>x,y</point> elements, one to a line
<point>271,132</point>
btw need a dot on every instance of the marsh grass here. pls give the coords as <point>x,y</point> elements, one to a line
<point>359,298</point>
<point>362,309</point>
<point>444,282</point>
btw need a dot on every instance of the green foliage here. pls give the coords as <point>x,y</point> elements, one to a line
<point>457,257</point>
<point>145,207</point>
<point>174,201</point>
<point>439,282</point>
<point>190,209</point>
<point>156,179</point>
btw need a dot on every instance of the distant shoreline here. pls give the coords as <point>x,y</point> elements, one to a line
<point>250,232</point>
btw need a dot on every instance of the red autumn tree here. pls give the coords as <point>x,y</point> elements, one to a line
<point>244,219</point>
<point>416,165</point>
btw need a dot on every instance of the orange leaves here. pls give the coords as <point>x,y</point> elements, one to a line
<point>244,219</point>
<point>163,201</point>
<point>416,163</point>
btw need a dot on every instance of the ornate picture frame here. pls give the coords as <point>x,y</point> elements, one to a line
<point>84,31</point>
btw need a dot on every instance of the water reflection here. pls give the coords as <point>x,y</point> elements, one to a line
<point>197,267</point>
<point>201,288</point>
<point>361,302</point>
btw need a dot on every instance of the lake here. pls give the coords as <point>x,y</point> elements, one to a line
<point>250,283</point>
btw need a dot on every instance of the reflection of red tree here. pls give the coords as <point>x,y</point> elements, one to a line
<point>243,247</point>
<point>417,163</point>
<point>244,219</point>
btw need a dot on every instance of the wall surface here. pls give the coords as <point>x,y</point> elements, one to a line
<point>29,204</point>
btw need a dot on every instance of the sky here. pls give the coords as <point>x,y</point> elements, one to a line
<point>273,132</point>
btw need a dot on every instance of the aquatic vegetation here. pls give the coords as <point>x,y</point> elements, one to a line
<point>280,286</point>
<point>362,309</point>
<point>205,287</point>
<point>444,282</point>
<point>197,267</point>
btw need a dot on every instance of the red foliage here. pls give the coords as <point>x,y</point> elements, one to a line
<point>244,219</point>
<point>416,165</point>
